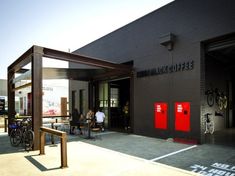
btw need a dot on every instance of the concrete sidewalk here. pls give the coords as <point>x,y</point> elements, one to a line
<point>83,159</point>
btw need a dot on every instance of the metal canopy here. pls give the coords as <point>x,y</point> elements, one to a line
<point>71,57</point>
<point>97,70</point>
<point>104,69</point>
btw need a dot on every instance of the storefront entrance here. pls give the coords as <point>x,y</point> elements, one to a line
<point>119,104</point>
<point>113,96</point>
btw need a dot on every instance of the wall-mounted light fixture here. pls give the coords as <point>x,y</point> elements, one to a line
<point>167,40</point>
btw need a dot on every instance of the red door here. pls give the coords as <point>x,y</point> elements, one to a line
<point>182,116</point>
<point>160,113</point>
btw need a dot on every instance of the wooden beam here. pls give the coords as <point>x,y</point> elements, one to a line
<point>53,131</point>
<point>23,60</point>
<point>71,57</point>
<point>23,86</point>
<point>111,75</point>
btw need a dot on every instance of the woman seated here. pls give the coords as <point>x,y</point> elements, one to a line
<point>90,118</point>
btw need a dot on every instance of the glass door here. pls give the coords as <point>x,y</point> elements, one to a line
<point>104,100</point>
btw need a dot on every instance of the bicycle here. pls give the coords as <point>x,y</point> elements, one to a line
<point>21,132</point>
<point>214,95</point>
<point>221,100</point>
<point>209,123</point>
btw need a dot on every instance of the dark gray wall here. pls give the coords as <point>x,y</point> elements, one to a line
<point>192,22</point>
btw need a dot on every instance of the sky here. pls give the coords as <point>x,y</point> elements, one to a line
<point>64,25</point>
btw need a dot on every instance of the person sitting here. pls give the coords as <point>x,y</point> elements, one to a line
<point>82,120</point>
<point>100,116</point>
<point>75,121</point>
<point>90,118</point>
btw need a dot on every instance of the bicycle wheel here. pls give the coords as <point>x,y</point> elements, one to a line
<point>15,137</point>
<point>210,99</point>
<point>28,140</point>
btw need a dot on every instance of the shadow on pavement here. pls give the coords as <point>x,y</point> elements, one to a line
<point>39,165</point>
<point>5,145</point>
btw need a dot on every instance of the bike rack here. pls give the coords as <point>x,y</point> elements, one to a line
<point>63,141</point>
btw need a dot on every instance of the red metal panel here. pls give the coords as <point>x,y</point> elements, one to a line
<point>182,116</point>
<point>160,113</point>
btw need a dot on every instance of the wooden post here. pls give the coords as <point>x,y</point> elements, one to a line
<point>63,151</point>
<point>63,106</point>
<point>10,97</point>
<point>36,93</point>
<point>42,142</point>
<point>63,143</point>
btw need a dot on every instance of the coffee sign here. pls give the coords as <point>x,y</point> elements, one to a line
<point>184,66</point>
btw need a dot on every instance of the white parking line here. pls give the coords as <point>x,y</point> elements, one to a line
<point>173,153</point>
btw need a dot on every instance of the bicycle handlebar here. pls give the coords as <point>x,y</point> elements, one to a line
<point>208,114</point>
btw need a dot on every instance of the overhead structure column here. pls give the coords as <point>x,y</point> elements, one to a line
<point>11,98</point>
<point>37,93</point>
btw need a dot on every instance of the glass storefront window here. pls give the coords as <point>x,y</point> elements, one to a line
<point>114,97</point>
<point>103,95</point>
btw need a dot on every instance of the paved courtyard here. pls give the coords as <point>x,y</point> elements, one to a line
<point>113,153</point>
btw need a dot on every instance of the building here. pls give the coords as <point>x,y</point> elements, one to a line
<point>3,96</point>
<point>178,52</point>
<point>171,67</point>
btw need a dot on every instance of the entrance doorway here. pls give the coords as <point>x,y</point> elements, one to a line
<point>220,80</point>
<point>111,97</point>
<point>119,96</point>
<point>103,101</point>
